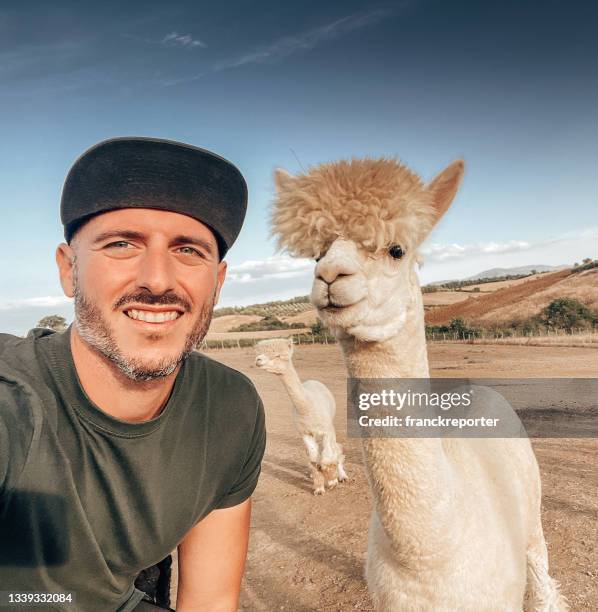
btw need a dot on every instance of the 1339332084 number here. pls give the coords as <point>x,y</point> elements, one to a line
<point>32,598</point>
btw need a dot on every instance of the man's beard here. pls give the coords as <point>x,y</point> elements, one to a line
<point>96,332</point>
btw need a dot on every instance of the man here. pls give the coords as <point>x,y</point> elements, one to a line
<point>117,441</point>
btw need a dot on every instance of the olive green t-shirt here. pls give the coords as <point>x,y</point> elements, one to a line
<point>86,500</point>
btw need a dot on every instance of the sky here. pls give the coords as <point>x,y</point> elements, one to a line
<point>510,87</point>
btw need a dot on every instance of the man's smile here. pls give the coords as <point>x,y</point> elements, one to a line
<point>154,315</point>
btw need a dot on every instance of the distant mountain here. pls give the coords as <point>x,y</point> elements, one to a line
<point>498,272</point>
<point>495,272</point>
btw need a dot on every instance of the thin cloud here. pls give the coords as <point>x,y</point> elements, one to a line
<point>277,267</point>
<point>174,39</point>
<point>305,41</point>
<point>445,252</point>
<point>48,301</point>
<point>291,45</point>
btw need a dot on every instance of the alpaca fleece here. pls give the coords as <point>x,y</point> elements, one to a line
<point>376,203</point>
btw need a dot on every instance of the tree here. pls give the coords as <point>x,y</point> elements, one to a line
<point>566,313</point>
<point>55,322</point>
<point>587,260</point>
<point>459,327</point>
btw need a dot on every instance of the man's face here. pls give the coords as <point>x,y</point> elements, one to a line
<point>145,283</point>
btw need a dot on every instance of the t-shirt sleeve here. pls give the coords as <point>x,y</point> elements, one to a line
<point>247,480</point>
<point>4,452</point>
<point>16,433</point>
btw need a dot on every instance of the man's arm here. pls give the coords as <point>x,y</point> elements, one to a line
<point>4,452</point>
<point>212,560</point>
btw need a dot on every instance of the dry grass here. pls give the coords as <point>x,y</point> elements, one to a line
<point>589,340</point>
<point>582,286</point>
<point>442,298</point>
<point>273,333</point>
<point>498,285</point>
<point>307,318</point>
<point>225,323</point>
<point>520,300</point>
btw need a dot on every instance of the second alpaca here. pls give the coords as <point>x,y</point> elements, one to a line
<point>313,413</point>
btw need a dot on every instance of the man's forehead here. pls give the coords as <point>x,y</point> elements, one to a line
<point>147,221</point>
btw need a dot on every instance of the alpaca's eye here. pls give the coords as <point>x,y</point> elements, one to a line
<point>396,252</point>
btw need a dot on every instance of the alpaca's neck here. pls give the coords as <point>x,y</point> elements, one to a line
<point>295,389</point>
<point>409,477</point>
<point>402,356</point>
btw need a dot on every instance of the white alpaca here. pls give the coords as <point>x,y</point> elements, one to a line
<point>313,413</point>
<point>456,522</point>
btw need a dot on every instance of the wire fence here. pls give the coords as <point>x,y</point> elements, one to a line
<point>556,337</point>
<point>324,338</point>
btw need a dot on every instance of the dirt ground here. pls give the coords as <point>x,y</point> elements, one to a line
<point>307,553</point>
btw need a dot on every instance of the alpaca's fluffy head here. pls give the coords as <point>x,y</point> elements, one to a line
<point>274,355</point>
<point>363,220</point>
<point>376,203</point>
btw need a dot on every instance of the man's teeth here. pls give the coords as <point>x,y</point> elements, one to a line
<point>153,317</point>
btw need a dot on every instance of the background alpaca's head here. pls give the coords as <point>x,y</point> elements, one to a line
<point>274,355</point>
<point>362,221</point>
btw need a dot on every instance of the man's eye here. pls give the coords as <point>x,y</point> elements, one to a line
<point>187,250</point>
<point>119,244</point>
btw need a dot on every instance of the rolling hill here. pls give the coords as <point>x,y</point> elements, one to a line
<point>520,300</point>
<point>479,304</point>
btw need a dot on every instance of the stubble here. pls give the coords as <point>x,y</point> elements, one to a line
<point>93,328</point>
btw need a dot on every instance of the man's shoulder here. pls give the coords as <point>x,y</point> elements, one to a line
<point>21,382</point>
<point>9,342</point>
<point>217,373</point>
<point>21,409</point>
<point>15,347</point>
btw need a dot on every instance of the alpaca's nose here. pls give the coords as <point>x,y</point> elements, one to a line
<point>330,269</point>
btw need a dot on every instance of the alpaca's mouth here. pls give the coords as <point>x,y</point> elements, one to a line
<point>332,307</point>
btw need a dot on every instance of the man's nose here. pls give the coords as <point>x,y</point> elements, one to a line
<point>332,267</point>
<point>156,271</point>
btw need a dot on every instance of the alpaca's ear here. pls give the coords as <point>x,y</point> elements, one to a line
<point>283,180</point>
<point>444,187</point>
<point>290,342</point>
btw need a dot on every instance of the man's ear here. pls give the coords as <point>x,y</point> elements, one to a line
<point>65,258</point>
<point>444,188</point>
<point>283,180</point>
<point>220,276</point>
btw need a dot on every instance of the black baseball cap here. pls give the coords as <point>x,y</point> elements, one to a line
<point>138,172</point>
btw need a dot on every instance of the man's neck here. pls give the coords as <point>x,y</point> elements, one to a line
<point>113,392</point>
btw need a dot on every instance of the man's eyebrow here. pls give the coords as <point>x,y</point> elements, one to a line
<point>119,233</point>
<point>132,235</point>
<point>200,242</point>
